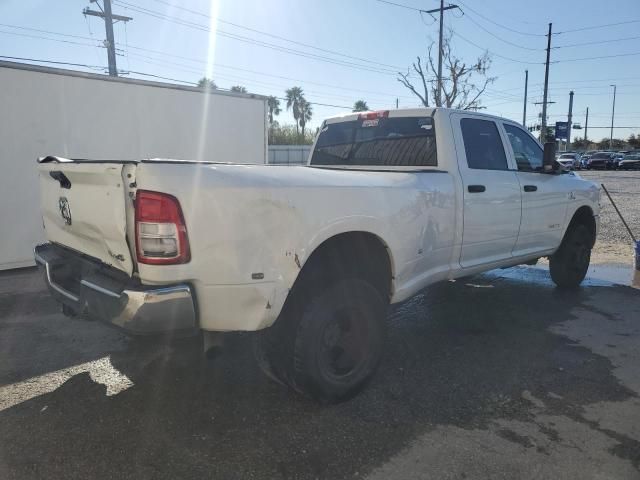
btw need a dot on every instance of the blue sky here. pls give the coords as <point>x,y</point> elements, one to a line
<point>366,29</point>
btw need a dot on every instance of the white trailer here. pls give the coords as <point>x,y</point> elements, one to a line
<point>49,111</point>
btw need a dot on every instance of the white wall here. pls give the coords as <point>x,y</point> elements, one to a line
<point>289,154</point>
<point>45,113</point>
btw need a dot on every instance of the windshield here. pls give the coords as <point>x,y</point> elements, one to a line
<point>402,141</point>
<point>567,155</point>
<point>601,155</point>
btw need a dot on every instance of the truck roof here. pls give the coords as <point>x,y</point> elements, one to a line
<point>406,112</point>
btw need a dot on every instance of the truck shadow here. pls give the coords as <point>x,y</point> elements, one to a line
<point>457,355</point>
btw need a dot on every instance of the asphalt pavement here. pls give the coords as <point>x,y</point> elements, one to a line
<point>501,377</point>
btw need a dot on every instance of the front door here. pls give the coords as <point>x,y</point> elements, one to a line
<point>545,197</point>
<point>491,192</point>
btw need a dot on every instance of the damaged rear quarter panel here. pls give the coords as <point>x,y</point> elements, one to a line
<point>250,221</point>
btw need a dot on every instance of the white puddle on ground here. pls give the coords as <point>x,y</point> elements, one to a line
<point>101,371</point>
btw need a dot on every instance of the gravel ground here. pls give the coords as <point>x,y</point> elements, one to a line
<point>624,187</point>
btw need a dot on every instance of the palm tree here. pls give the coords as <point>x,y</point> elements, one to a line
<point>294,97</point>
<point>274,108</point>
<point>207,84</point>
<point>238,89</point>
<point>360,106</point>
<point>306,112</point>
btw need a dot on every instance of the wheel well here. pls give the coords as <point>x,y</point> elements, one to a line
<point>360,254</point>
<point>584,216</point>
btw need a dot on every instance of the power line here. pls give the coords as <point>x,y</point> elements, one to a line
<point>40,37</point>
<point>203,62</point>
<point>254,41</point>
<point>94,67</point>
<point>495,54</point>
<point>18,27</point>
<point>261,32</point>
<point>164,54</point>
<point>597,58</point>
<point>238,78</point>
<point>500,25</point>
<point>55,62</point>
<point>598,42</point>
<point>500,38</point>
<point>401,5</point>
<point>594,27</point>
<point>162,77</point>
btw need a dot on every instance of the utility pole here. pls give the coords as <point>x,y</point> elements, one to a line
<point>109,18</point>
<point>441,10</point>
<point>396,103</point>
<point>546,88</point>
<point>542,132</point>
<point>524,107</point>
<point>613,112</point>
<point>586,126</point>
<point>569,120</point>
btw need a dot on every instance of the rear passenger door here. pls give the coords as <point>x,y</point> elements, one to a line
<point>545,197</point>
<point>491,192</point>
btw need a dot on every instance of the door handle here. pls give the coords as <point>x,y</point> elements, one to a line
<point>530,188</point>
<point>476,188</point>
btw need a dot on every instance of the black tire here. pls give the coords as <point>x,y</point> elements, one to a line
<point>569,265</point>
<point>328,341</point>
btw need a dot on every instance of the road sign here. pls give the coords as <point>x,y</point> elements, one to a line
<point>561,130</point>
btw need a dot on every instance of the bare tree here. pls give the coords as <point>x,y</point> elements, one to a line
<point>462,84</point>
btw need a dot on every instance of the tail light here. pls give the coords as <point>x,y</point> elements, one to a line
<point>161,234</point>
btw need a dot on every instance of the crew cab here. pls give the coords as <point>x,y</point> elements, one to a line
<point>311,256</point>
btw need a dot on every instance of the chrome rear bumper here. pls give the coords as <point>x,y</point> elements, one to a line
<point>102,292</point>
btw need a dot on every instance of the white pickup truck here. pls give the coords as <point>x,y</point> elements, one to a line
<point>390,202</point>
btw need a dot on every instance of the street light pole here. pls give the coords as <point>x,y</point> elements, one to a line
<point>613,112</point>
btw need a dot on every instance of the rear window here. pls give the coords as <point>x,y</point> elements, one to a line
<point>567,155</point>
<point>401,141</point>
<point>601,155</point>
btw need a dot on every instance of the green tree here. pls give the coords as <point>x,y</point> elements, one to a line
<point>287,135</point>
<point>306,112</point>
<point>580,144</point>
<point>360,106</point>
<point>274,108</point>
<point>238,89</point>
<point>294,97</point>
<point>634,141</point>
<point>207,84</point>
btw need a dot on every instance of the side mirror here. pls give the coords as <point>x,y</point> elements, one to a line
<point>549,157</point>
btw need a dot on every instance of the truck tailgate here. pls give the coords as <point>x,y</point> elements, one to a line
<point>84,207</point>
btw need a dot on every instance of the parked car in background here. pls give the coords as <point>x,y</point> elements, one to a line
<point>570,160</point>
<point>600,160</point>
<point>630,161</point>
<point>617,157</point>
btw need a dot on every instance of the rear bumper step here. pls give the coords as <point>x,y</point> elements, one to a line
<point>106,294</point>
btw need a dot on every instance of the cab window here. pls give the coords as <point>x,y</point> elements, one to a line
<point>527,151</point>
<point>483,145</point>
